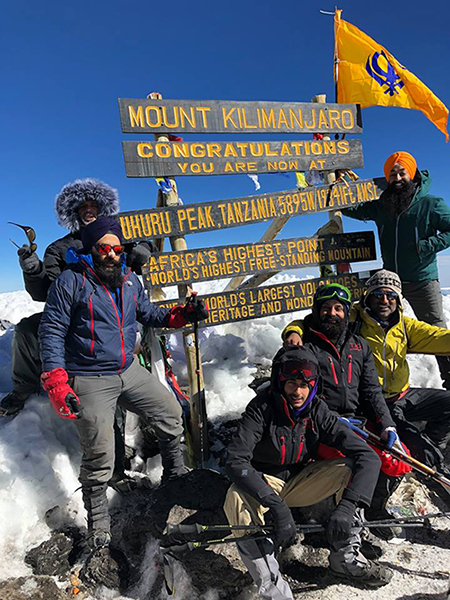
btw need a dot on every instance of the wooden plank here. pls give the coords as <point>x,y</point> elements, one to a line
<point>205,264</point>
<point>155,223</point>
<point>223,116</point>
<point>270,300</point>
<point>166,159</point>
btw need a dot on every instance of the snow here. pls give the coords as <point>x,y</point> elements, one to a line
<point>39,452</point>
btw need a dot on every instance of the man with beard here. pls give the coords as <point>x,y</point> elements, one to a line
<point>87,337</point>
<point>350,379</point>
<point>78,203</point>
<point>413,226</point>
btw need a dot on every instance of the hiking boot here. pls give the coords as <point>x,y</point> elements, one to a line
<point>371,574</point>
<point>98,538</point>
<point>12,404</point>
<point>370,550</point>
<point>381,514</point>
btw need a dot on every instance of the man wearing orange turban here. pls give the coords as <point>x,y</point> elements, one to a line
<point>413,226</point>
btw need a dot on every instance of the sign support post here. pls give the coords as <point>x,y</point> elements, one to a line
<point>199,430</point>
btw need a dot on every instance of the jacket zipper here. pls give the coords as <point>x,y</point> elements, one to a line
<point>350,360</point>
<point>119,322</point>
<point>300,451</point>
<point>396,236</point>
<point>91,310</point>
<point>333,370</point>
<point>283,449</point>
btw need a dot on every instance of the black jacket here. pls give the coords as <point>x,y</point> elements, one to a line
<point>269,441</point>
<point>349,377</point>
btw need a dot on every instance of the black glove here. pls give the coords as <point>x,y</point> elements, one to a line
<point>284,525</point>
<point>341,521</point>
<point>195,310</point>
<point>137,257</point>
<point>28,260</point>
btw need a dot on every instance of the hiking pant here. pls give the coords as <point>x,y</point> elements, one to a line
<point>426,300</point>
<point>140,392</point>
<point>317,481</point>
<point>433,407</point>
<point>26,373</point>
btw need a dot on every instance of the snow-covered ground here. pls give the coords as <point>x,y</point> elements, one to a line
<point>39,454</point>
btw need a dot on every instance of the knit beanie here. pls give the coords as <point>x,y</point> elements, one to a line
<point>97,229</point>
<point>385,279</point>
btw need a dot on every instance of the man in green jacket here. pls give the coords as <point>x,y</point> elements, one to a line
<point>413,226</point>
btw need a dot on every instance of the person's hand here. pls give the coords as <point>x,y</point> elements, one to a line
<point>195,309</point>
<point>137,257</point>
<point>284,525</point>
<point>64,400</point>
<point>293,339</point>
<point>341,521</point>
<point>28,260</point>
<point>390,437</point>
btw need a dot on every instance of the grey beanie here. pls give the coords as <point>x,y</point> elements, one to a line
<point>385,279</point>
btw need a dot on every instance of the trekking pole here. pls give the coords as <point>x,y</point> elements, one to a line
<point>375,440</point>
<point>201,404</point>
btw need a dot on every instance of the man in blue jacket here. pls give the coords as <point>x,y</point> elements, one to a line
<point>87,338</point>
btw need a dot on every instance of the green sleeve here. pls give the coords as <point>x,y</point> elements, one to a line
<point>440,220</point>
<point>362,212</point>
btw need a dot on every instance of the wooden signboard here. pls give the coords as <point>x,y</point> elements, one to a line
<point>218,116</point>
<point>205,264</point>
<point>156,223</point>
<point>173,159</point>
<point>266,301</point>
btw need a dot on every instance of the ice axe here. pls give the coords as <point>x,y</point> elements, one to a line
<point>376,441</point>
<point>29,232</point>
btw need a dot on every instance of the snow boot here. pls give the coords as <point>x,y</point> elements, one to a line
<point>96,505</point>
<point>172,459</point>
<point>348,562</point>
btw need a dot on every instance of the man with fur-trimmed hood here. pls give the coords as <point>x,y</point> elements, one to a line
<point>77,204</point>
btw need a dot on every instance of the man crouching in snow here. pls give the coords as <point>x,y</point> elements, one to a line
<point>271,464</point>
<point>87,337</point>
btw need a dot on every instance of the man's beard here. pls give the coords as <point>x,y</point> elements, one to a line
<point>398,199</point>
<point>332,327</point>
<point>109,271</point>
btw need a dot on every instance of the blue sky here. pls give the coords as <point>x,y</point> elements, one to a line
<point>64,66</point>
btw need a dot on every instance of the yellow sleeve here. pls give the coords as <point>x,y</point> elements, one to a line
<point>294,327</point>
<point>426,339</point>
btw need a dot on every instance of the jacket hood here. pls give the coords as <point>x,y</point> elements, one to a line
<point>292,354</point>
<point>76,193</point>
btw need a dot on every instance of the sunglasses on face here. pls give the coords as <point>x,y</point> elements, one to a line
<point>378,294</point>
<point>104,249</point>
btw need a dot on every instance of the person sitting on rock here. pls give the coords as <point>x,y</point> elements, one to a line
<point>271,463</point>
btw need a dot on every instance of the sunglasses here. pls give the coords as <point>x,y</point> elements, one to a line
<point>378,294</point>
<point>29,232</point>
<point>104,249</point>
<point>334,290</point>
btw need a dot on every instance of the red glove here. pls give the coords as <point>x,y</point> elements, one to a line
<point>193,311</point>
<point>63,398</point>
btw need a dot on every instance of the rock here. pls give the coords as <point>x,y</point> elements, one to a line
<point>54,556</point>
<point>31,588</point>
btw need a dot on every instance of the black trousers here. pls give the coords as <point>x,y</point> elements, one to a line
<point>431,406</point>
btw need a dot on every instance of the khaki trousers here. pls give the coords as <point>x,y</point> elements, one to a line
<point>317,481</point>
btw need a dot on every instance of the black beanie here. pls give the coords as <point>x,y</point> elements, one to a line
<point>97,229</point>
